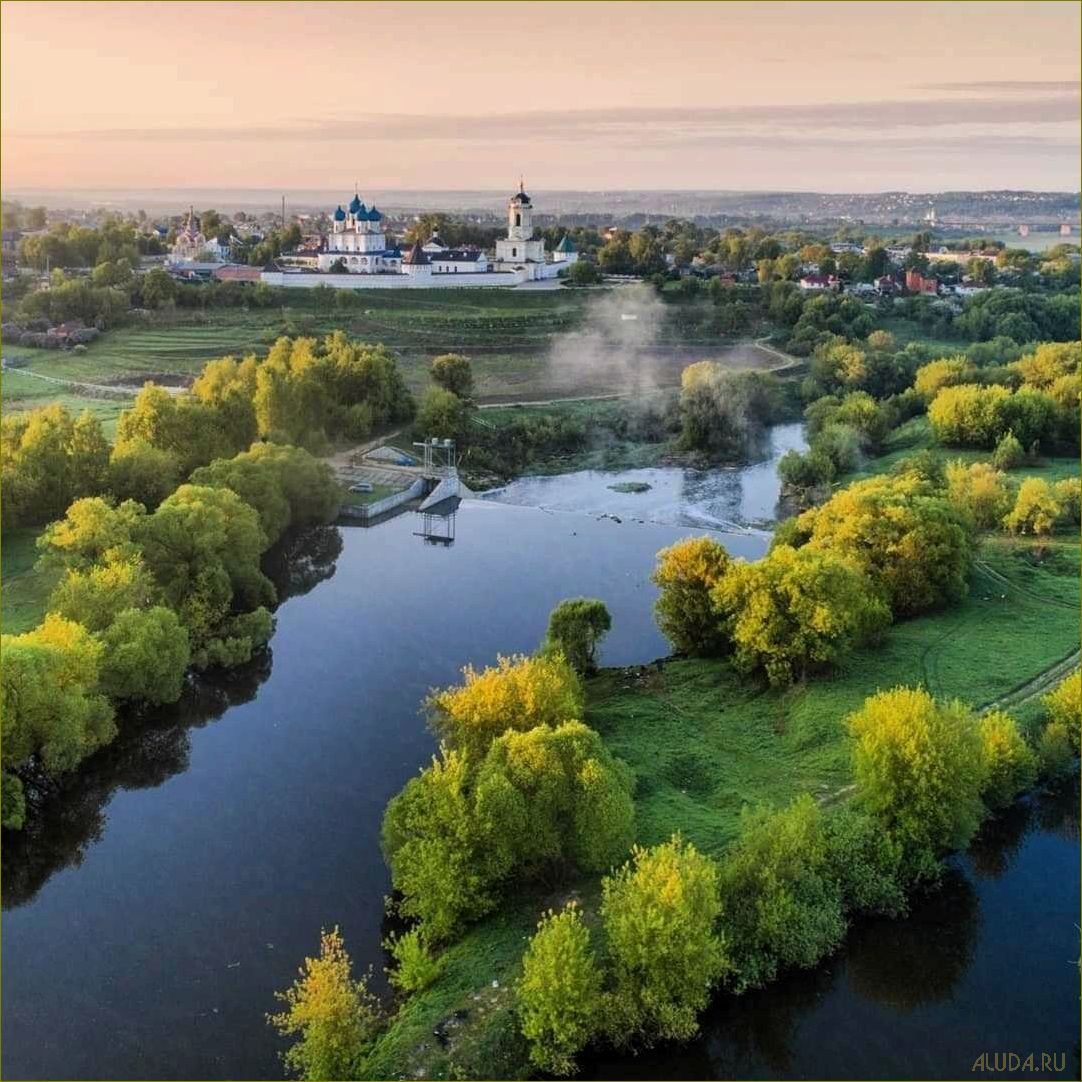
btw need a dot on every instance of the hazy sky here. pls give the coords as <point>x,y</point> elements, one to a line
<point>767,95</point>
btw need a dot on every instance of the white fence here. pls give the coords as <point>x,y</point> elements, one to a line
<point>368,511</point>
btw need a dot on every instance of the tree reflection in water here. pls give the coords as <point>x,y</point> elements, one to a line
<point>153,744</point>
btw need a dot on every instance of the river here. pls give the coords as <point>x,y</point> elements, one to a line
<point>170,887</point>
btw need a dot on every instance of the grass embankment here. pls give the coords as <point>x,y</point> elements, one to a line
<point>705,743</point>
<point>25,590</point>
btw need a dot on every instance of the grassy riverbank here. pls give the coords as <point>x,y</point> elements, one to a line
<point>704,744</point>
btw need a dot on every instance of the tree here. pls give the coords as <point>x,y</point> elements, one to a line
<point>797,609</point>
<point>946,372</point>
<point>443,861</point>
<point>94,596</point>
<point>576,627</point>
<point>517,693</point>
<point>555,798</point>
<point>1009,453</point>
<point>415,967</point>
<point>904,532</point>
<point>441,414</point>
<point>452,372</point>
<point>142,472</point>
<point>807,471</point>
<point>658,912</point>
<point>1010,766</point>
<point>919,769</point>
<point>157,287</point>
<point>780,904</point>
<point>334,1017</point>
<point>686,574</point>
<point>559,992</point>
<point>146,656</point>
<point>1035,509</point>
<point>51,712</point>
<point>1064,706</point>
<point>981,489</point>
<point>583,272</point>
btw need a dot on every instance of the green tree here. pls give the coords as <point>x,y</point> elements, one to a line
<point>146,656</point>
<point>452,372</point>
<point>139,471</point>
<point>686,575</point>
<point>441,414</point>
<point>559,993</point>
<point>583,272</point>
<point>157,288</point>
<point>797,609</point>
<point>981,489</point>
<point>780,902</point>
<point>50,709</point>
<point>334,1017</point>
<point>1009,453</point>
<point>1010,766</point>
<point>95,595</point>
<point>517,693</point>
<point>919,769</point>
<point>658,912</point>
<point>1064,707</point>
<point>576,627</point>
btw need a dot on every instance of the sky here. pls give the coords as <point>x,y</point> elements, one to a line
<point>768,95</point>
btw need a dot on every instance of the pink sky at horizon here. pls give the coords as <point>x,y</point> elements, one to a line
<point>795,96</point>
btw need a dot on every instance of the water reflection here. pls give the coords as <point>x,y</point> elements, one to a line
<point>67,816</point>
<point>923,996</point>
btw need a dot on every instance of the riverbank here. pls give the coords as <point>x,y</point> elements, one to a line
<point>704,744</point>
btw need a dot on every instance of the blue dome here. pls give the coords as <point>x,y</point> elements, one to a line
<point>339,215</point>
<point>355,205</point>
<point>374,215</point>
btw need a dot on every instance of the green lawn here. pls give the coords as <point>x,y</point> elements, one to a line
<point>23,590</point>
<point>361,499</point>
<point>704,744</point>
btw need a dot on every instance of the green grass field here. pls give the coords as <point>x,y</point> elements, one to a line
<point>25,591</point>
<point>704,744</point>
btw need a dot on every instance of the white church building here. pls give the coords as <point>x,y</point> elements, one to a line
<point>356,255</point>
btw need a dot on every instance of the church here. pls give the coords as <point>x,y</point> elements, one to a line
<point>357,246</point>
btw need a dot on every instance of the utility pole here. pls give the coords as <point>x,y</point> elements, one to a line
<point>283,213</point>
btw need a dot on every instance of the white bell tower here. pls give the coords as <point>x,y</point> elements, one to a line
<point>520,246</point>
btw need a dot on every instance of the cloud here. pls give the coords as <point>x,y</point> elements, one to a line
<point>644,126</point>
<point>1010,86</point>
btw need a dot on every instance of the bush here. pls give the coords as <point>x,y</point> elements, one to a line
<point>919,768</point>
<point>1009,764</point>
<point>1009,453</point>
<point>686,573</point>
<point>780,903</point>
<point>865,861</point>
<point>416,969</point>
<point>576,626</point>
<point>517,693</point>
<point>1068,495</point>
<point>807,471</point>
<point>559,993</point>
<point>1064,706</point>
<point>1056,751</point>
<point>658,912</point>
<point>146,656</point>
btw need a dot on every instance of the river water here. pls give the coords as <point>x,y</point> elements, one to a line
<point>159,899</point>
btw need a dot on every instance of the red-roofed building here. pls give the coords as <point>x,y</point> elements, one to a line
<point>915,282</point>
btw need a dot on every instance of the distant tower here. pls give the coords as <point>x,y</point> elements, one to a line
<point>519,215</point>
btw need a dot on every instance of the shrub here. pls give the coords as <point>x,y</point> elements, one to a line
<point>146,656</point>
<point>1068,494</point>
<point>686,573</point>
<point>576,626</point>
<point>517,693</point>
<point>1009,764</point>
<point>559,992</point>
<point>919,768</point>
<point>1064,706</point>
<point>865,862</point>
<point>1055,751</point>
<point>807,471</point>
<point>780,903</point>
<point>1009,453</point>
<point>658,912</point>
<point>416,968</point>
